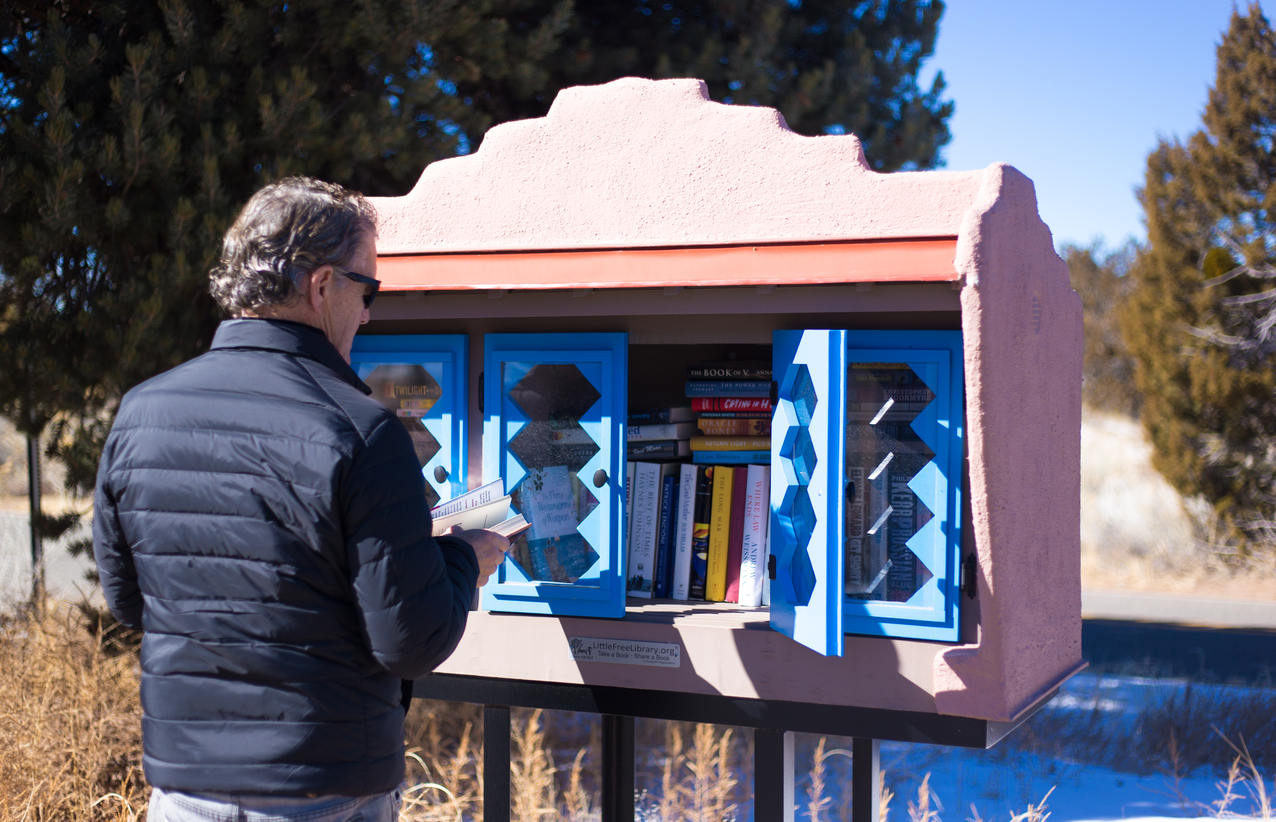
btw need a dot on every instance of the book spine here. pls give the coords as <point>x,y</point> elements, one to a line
<point>660,416</point>
<point>715,589</point>
<point>729,388</point>
<point>642,547</point>
<point>729,371</point>
<point>471,499</point>
<point>661,587</point>
<point>700,533</point>
<point>752,427</point>
<point>658,449</point>
<point>630,469</point>
<point>731,457</point>
<point>668,431</point>
<point>702,443</point>
<point>766,550</point>
<point>756,511</point>
<point>739,488</point>
<point>682,536</point>
<point>755,405</point>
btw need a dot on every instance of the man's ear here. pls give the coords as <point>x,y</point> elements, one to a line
<point>321,284</point>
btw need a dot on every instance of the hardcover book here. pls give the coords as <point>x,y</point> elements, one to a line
<point>681,587</point>
<point>749,427</point>
<point>703,443</point>
<point>757,513</point>
<point>715,589</point>
<point>644,531</point>
<point>700,533</point>
<point>676,413</point>
<point>662,431</point>
<point>730,370</point>
<point>664,534</point>
<point>731,457</point>
<point>739,486</point>
<point>756,405</point>
<point>658,450</point>
<point>729,388</point>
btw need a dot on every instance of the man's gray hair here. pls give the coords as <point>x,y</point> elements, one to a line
<point>287,230</point>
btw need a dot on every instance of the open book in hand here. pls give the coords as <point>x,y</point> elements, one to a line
<point>486,508</point>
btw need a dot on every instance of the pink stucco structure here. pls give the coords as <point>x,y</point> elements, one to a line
<point>639,164</point>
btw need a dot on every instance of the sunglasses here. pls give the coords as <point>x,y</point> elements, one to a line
<point>359,278</point>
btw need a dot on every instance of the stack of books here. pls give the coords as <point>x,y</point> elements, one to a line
<point>699,532</point>
<point>660,433</point>
<point>732,404</point>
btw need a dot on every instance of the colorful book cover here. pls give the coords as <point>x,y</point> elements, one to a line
<point>730,370</point>
<point>731,457</point>
<point>729,388</point>
<point>734,427</point>
<point>756,405</point>
<point>663,431</point>
<point>681,588</point>
<point>757,511</point>
<point>739,486</point>
<point>643,533</point>
<point>554,551</point>
<point>668,488</point>
<point>715,589</point>
<point>703,443</point>
<point>674,413</point>
<point>700,533</point>
<point>735,415</point>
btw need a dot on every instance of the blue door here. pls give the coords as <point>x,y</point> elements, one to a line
<point>865,489</point>
<point>554,430</point>
<point>423,379</point>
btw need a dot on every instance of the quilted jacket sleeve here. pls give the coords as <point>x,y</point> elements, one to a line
<point>114,558</point>
<point>412,592</point>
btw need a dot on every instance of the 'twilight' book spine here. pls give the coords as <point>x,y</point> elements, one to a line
<point>715,587</point>
<point>729,388</point>
<point>700,532</point>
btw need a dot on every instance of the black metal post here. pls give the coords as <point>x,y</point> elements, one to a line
<point>866,785</point>
<point>618,769</point>
<point>772,775</point>
<point>496,763</point>
<point>37,545</point>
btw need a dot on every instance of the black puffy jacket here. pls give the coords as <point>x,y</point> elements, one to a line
<point>265,523</point>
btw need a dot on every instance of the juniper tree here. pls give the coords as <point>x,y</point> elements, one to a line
<point>1200,319</point>
<point>1107,367</point>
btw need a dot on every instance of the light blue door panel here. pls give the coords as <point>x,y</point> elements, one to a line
<point>423,379</point>
<point>554,430</point>
<point>806,483</point>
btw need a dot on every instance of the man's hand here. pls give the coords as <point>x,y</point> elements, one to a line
<point>489,547</point>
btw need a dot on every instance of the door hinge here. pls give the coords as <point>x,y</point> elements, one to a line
<point>770,567</point>
<point>966,583</point>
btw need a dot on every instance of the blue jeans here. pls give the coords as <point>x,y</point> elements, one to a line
<point>222,807</point>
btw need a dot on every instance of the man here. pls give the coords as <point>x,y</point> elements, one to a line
<point>264,522</point>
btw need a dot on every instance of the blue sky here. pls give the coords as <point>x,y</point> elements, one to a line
<point>1075,95</point>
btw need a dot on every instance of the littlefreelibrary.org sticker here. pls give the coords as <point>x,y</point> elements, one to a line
<point>626,651</point>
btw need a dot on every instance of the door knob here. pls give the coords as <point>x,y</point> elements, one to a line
<point>600,478</point>
<point>440,473</point>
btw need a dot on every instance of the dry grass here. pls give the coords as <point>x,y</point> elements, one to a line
<point>71,723</point>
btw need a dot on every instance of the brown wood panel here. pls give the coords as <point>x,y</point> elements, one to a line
<point>923,260</point>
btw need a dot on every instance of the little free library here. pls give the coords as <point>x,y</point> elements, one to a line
<point>798,442</point>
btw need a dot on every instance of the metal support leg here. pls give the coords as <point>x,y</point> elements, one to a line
<point>496,763</point>
<point>618,769</point>
<point>866,786</point>
<point>772,776</point>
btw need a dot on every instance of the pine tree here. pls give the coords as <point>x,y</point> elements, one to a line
<point>1200,319</point>
<point>829,66</point>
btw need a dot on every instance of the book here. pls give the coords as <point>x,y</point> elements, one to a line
<point>485,508</point>
<point>731,457</point>
<point>512,527</point>
<point>757,511</point>
<point>630,468</point>
<point>681,584</point>
<point>643,533</point>
<point>554,501</point>
<point>729,388</point>
<point>704,406</point>
<point>658,450</point>
<point>700,533</point>
<point>715,587</point>
<point>735,427</point>
<point>703,443</point>
<point>646,416</point>
<point>663,431</point>
<point>668,490</point>
<point>470,499</point>
<point>730,370</point>
<point>739,486</point>
<point>766,557</point>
